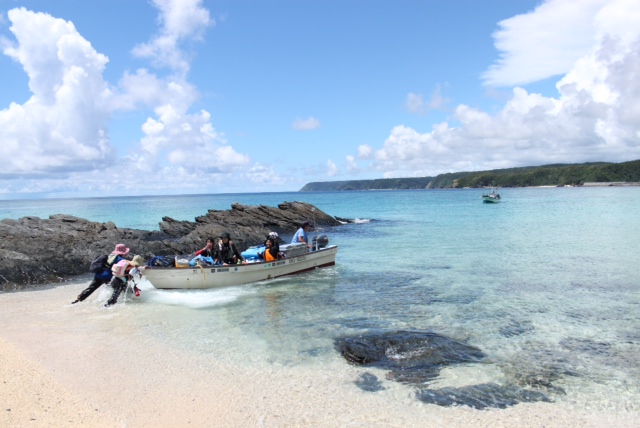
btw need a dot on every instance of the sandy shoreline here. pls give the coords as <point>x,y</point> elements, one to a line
<point>31,396</point>
<point>61,367</point>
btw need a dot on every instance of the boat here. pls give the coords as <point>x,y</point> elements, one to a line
<point>492,197</point>
<point>296,259</point>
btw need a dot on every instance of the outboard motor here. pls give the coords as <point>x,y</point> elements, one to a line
<point>321,241</point>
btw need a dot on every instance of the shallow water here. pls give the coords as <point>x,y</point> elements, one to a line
<point>546,284</point>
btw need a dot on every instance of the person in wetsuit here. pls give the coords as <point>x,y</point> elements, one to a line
<point>228,251</point>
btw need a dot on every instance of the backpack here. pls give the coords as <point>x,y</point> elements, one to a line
<point>99,264</point>
<point>162,261</point>
<point>120,269</point>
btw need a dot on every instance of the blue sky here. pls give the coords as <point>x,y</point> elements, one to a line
<point>126,97</point>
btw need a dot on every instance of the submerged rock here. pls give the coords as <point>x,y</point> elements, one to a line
<point>369,382</point>
<point>413,357</point>
<point>481,396</point>
<point>37,251</point>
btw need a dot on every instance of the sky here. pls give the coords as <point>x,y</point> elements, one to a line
<point>154,97</point>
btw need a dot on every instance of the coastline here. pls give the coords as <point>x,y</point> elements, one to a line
<point>70,365</point>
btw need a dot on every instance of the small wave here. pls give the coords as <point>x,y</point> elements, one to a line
<point>361,220</point>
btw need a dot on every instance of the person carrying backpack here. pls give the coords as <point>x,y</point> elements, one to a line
<point>123,272</point>
<point>102,269</point>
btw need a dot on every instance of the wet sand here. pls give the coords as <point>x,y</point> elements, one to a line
<point>59,367</point>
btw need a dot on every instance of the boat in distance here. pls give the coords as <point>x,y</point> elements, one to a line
<point>218,276</point>
<point>492,197</point>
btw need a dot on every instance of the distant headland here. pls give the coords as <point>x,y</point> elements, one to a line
<point>556,175</point>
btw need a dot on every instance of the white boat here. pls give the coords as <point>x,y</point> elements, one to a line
<point>492,197</point>
<point>296,260</point>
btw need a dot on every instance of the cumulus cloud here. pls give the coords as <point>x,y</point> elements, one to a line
<point>62,131</point>
<point>365,151</point>
<point>352,166</point>
<point>63,126</point>
<point>180,20</point>
<point>264,175</point>
<point>306,124</point>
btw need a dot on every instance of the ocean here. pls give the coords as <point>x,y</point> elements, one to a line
<point>545,282</point>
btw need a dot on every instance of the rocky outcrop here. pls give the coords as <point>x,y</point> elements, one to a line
<point>36,251</point>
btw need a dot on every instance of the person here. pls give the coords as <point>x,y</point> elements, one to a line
<point>276,241</point>
<point>122,272</point>
<point>271,251</point>
<point>228,251</point>
<point>210,250</point>
<point>103,277</point>
<point>301,234</point>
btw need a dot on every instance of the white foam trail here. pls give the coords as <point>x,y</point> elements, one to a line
<point>196,299</point>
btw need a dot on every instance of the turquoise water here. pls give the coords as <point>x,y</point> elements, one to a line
<point>548,281</point>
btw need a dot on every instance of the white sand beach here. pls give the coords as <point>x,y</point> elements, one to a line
<point>60,368</point>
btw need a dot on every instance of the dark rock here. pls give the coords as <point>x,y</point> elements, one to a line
<point>36,251</point>
<point>369,382</point>
<point>413,357</point>
<point>176,228</point>
<point>481,396</point>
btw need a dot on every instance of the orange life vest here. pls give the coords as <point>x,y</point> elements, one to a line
<point>267,256</point>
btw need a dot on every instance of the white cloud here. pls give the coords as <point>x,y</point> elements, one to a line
<point>365,151</point>
<point>180,20</point>
<point>595,117</point>
<point>332,168</point>
<point>545,42</point>
<point>63,128</point>
<point>260,174</point>
<point>306,124</point>
<point>415,103</point>
<point>352,166</point>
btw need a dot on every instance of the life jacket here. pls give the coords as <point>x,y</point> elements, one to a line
<point>267,255</point>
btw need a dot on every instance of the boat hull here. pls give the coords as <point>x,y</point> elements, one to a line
<point>490,200</point>
<point>225,276</point>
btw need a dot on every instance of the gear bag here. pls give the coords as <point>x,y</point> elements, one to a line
<point>99,264</point>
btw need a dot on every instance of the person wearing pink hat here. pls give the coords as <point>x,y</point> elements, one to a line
<point>105,275</point>
<point>123,273</point>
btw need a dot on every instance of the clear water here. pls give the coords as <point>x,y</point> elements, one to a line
<point>549,279</point>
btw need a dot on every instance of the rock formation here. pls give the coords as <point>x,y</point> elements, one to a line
<point>416,358</point>
<point>36,251</point>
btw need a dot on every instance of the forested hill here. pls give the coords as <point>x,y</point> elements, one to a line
<point>378,184</point>
<point>546,175</point>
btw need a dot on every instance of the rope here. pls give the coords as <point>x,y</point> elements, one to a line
<point>204,276</point>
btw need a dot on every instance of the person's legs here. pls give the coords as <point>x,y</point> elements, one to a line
<point>118,286</point>
<point>93,286</point>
